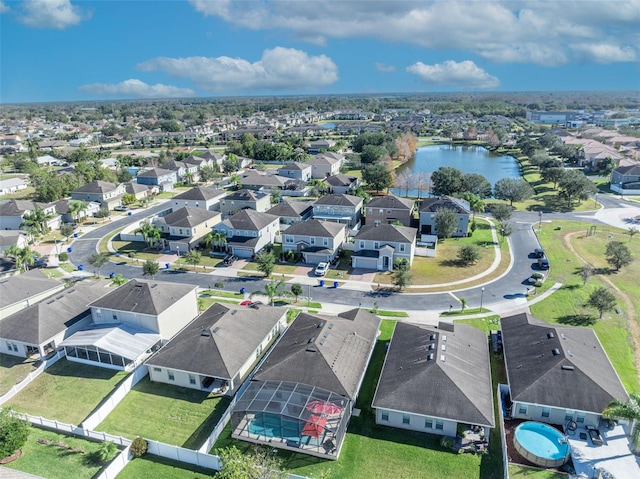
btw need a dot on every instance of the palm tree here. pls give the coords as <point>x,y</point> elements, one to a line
<point>36,220</point>
<point>273,289</point>
<point>23,257</point>
<point>629,410</point>
<point>150,232</point>
<point>463,304</point>
<point>207,241</point>
<point>219,239</point>
<point>76,207</point>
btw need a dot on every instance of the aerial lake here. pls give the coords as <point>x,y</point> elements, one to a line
<point>466,158</point>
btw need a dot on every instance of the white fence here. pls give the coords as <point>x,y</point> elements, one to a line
<point>183,455</point>
<point>114,398</point>
<point>116,466</point>
<point>30,377</point>
<point>503,388</point>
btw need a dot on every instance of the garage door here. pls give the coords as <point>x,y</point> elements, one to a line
<point>366,263</point>
<point>242,252</point>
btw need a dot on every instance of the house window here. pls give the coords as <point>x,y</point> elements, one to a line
<point>568,415</point>
<point>157,370</point>
<point>312,240</point>
<point>376,245</point>
<point>370,211</point>
<point>439,424</point>
<point>98,313</point>
<point>325,241</point>
<point>380,211</point>
<point>180,231</point>
<point>522,409</point>
<point>114,316</point>
<point>388,212</point>
<point>406,419</point>
<point>171,376</point>
<point>402,247</point>
<point>192,379</point>
<point>580,417</point>
<point>545,412</point>
<point>361,244</point>
<point>384,416</point>
<point>377,223</point>
<point>288,239</point>
<point>428,423</point>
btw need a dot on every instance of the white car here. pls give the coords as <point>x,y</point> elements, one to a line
<point>120,208</point>
<point>321,269</point>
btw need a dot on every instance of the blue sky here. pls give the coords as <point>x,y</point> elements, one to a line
<point>62,50</point>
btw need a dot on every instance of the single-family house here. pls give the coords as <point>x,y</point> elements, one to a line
<point>200,162</point>
<point>203,197</point>
<point>213,159</point>
<point>163,179</point>
<point>38,330</point>
<point>434,379</point>
<point>185,227</point>
<point>389,209</point>
<point>291,212</point>
<point>12,213</point>
<point>557,374</point>
<point>626,179</point>
<point>302,396</point>
<point>138,190</point>
<point>47,160</point>
<point>23,290</point>
<point>342,184</point>
<point>248,231</point>
<point>314,240</point>
<point>242,199</point>
<point>325,164</point>
<point>429,208</point>
<point>131,322</point>
<point>345,209</point>
<point>259,181</point>
<point>297,171</point>
<point>108,195</point>
<point>381,247</point>
<point>9,238</point>
<point>184,171</point>
<point>63,207</point>
<point>218,350</point>
<point>12,185</point>
<point>319,146</point>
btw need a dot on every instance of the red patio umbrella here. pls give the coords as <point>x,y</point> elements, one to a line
<point>323,407</point>
<point>314,426</point>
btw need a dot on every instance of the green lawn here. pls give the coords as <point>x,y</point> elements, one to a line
<point>161,468</point>
<point>371,451</point>
<point>53,462</point>
<point>520,472</point>
<point>13,370</point>
<point>567,306</point>
<point>67,391</point>
<point>171,414</point>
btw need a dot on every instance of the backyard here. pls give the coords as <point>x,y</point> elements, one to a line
<point>67,391</point>
<point>13,370</point>
<point>173,415</point>
<point>161,468</point>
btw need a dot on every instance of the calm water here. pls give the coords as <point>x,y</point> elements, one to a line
<point>468,159</point>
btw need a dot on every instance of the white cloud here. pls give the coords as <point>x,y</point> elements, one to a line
<point>278,69</point>
<point>527,31</point>
<point>383,67</point>
<point>134,88</point>
<point>57,14</point>
<point>606,53</point>
<point>465,74</point>
<point>4,8</point>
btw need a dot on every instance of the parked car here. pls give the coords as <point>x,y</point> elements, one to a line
<point>229,259</point>
<point>543,263</point>
<point>120,208</point>
<point>538,253</point>
<point>321,269</point>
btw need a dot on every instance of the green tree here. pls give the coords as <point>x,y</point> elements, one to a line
<point>513,189</point>
<point>606,166</point>
<point>505,229</point>
<point>628,410</point>
<point>66,230</point>
<point>76,207</point>
<point>447,181</point>
<point>272,290</point>
<point>150,268</point>
<point>372,154</point>
<point>209,173</point>
<point>618,254</point>
<point>632,231</point>
<point>138,447</point>
<point>266,262</point>
<point>502,212</point>
<point>586,272</point>
<point>23,257</point>
<point>602,299</point>
<point>192,257</point>
<point>377,176</point>
<point>553,175</point>
<point>118,280</point>
<point>476,185</point>
<point>446,222</point>
<point>296,290</point>
<point>401,276</point>
<point>150,232</point>
<point>36,220</point>
<point>14,432</point>
<point>463,304</point>
<point>98,260</point>
<point>574,185</point>
<point>475,203</point>
<point>128,199</point>
<point>469,254</point>
<point>106,451</point>
<point>260,464</point>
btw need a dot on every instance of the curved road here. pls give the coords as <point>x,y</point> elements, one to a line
<point>505,293</point>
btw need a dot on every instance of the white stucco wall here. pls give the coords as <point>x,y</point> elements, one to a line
<point>416,422</point>
<point>559,416</point>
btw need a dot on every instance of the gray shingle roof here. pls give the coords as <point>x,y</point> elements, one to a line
<point>246,195</point>
<point>558,366</point>
<point>155,173</point>
<point>189,216</point>
<point>339,200</point>
<point>250,220</point>
<point>340,180</point>
<point>315,228</point>
<point>630,170</point>
<point>434,204</point>
<point>18,288</point>
<point>200,193</point>
<point>219,341</point>
<point>19,207</point>
<point>389,233</point>
<point>291,208</point>
<point>458,388</point>
<point>99,187</point>
<point>295,166</point>
<point>330,352</point>
<point>133,188</point>
<point>253,178</point>
<point>144,297</point>
<point>391,202</point>
<point>40,322</point>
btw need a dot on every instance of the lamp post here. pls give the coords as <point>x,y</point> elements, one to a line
<point>308,295</point>
<point>178,250</point>
<point>539,220</point>
<point>595,200</point>
<point>481,298</point>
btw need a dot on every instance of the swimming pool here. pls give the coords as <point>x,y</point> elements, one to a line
<point>272,425</point>
<point>541,444</point>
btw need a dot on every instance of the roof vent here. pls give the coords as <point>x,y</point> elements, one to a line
<point>311,350</point>
<point>234,311</point>
<point>432,337</point>
<point>444,337</point>
<point>432,346</point>
<point>556,352</point>
<point>216,329</point>
<point>330,326</point>
<point>430,357</point>
<point>442,357</point>
<point>319,325</point>
<point>205,333</point>
<point>569,352</point>
<point>444,347</point>
<point>322,341</point>
<point>550,335</point>
<point>567,367</point>
<point>154,285</point>
<point>311,340</point>
<point>52,301</point>
<point>563,336</point>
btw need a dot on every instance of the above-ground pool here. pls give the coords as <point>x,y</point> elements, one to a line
<point>541,444</point>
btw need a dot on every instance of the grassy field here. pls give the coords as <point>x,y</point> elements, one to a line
<point>53,462</point>
<point>161,468</point>
<point>13,370</point>
<point>67,391</point>
<point>376,451</point>
<point>171,414</point>
<point>567,306</point>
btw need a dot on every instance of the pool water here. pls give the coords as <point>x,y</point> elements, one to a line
<point>542,440</point>
<point>271,425</point>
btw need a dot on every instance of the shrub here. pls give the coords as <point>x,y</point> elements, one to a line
<point>14,433</point>
<point>537,275</point>
<point>63,257</point>
<point>138,447</point>
<point>103,213</point>
<point>538,284</point>
<point>219,284</point>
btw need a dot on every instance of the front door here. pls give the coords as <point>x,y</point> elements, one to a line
<point>385,262</point>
